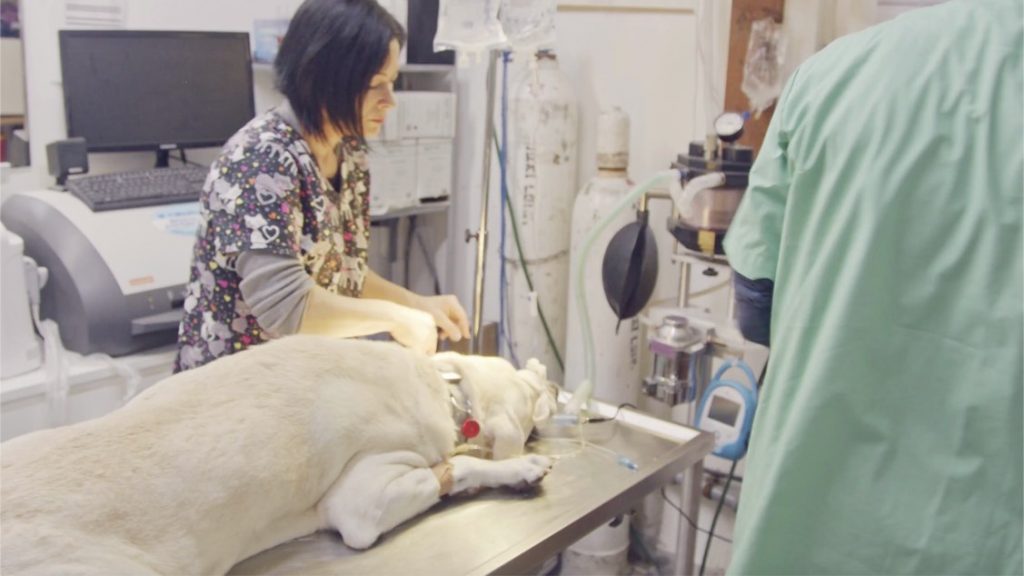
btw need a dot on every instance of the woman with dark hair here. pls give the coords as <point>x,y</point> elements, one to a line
<point>282,247</point>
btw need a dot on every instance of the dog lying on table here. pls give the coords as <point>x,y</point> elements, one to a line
<point>213,465</point>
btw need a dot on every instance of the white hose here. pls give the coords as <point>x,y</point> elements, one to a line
<point>56,363</point>
<point>54,355</point>
<point>132,377</point>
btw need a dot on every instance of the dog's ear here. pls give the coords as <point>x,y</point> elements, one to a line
<point>535,374</point>
<point>534,365</point>
<point>448,364</point>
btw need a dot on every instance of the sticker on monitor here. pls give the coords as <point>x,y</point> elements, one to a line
<point>266,38</point>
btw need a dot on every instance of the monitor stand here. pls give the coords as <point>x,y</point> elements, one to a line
<point>163,158</point>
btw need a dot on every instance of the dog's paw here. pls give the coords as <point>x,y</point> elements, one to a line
<point>531,469</point>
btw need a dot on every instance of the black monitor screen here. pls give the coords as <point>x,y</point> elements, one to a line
<point>723,410</point>
<point>138,90</point>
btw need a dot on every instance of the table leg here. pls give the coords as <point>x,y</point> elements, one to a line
<point>689,501</point>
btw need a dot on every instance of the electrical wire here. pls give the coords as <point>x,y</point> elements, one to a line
<point>613,416</point>
<point>720,475</point>
<point>526,270</point>
<point>689,521</point>
<point>718,511</point>
<point>641,549</point>
<point>502,167</point>
<point>511,350</point>
<point>185,161</point>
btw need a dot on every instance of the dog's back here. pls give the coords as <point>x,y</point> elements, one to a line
<point>215,464</point>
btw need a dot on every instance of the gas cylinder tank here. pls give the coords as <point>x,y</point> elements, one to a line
<point>542,182</point>
<point>617,374</point>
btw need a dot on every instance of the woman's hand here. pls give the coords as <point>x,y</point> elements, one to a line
<point>447,314</point>
<point>415,329</point>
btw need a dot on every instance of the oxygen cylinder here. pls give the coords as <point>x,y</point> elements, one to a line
<point>617,377</point>
<point>542,179</point>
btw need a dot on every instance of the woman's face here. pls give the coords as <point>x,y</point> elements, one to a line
<point>380,96</point>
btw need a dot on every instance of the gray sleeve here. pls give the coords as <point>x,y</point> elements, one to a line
<point>276,288</point>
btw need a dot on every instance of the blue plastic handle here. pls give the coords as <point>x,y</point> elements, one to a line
<point>737,363</point>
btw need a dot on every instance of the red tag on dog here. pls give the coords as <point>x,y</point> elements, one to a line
<point>470,428</point>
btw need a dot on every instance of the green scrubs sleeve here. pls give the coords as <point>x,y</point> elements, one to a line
<point>752,243</point>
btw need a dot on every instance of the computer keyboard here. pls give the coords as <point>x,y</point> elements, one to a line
<point>136,189</point>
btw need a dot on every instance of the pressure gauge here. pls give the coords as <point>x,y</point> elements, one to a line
<point>729,126</point>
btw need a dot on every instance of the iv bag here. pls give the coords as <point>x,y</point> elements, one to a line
<point>468,26</point>
<point>762,72</point>
<point>528,24</point>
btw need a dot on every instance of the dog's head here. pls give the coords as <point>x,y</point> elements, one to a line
<point>506,402</point>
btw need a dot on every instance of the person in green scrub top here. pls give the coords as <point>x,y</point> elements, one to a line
<point>882,229</point>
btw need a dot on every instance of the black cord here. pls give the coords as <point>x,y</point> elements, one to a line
<point>714,521</point>
<point>613,416</point>
<point>522,262</point>
<point>186,161</point>
<point>640,547</point>
<point>688,519</point>
<point>721,475</point>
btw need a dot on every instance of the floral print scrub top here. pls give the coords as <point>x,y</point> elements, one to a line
<point>265,192</point>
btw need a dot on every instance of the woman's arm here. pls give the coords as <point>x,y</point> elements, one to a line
<point>285,300</point>
<point>331,314</point>
<point>445,310</point>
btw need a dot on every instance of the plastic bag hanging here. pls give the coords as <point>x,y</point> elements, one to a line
<point>762,71</point>
<point>468,27</point>
<point>528,24</point>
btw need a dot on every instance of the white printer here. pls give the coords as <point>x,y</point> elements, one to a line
<point>117,278</point>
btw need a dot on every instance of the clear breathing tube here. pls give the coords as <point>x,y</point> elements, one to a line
<point>56,358</point>
<point>586,386</point>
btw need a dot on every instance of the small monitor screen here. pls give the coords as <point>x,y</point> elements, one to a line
<point>138,90</point>
<point>725,411</point>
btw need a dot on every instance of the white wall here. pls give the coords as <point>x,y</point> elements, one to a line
<point>644,61</point>
<point>618,53</point>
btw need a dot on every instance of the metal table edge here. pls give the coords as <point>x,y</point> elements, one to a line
<point>688,453</point>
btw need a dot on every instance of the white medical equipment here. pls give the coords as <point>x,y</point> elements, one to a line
<point>727,410</point>
<point>21,350</point>
<point>714,177</point>
<point>677,349</point>
<point>117,278</point>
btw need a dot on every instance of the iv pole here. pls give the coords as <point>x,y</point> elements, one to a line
<point>481,234</point>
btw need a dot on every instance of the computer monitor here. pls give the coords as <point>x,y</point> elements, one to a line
<point>155,90</point>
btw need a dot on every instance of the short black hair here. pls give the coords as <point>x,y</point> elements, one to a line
<point>329,55</point>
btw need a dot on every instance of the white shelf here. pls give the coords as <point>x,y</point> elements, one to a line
<point>404,69</point>
<point>426,68</point>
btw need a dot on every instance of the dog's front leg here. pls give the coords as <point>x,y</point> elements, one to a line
<point>378,492</point>
<point>471,473</point>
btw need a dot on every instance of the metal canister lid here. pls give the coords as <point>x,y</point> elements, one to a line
<point>673,335</point>
<point>613,139</point>
<point>733,160</point>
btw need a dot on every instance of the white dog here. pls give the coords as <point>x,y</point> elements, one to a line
<point>213,465</point>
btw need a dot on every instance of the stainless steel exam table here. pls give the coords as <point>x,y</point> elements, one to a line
<point>502,532</point>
